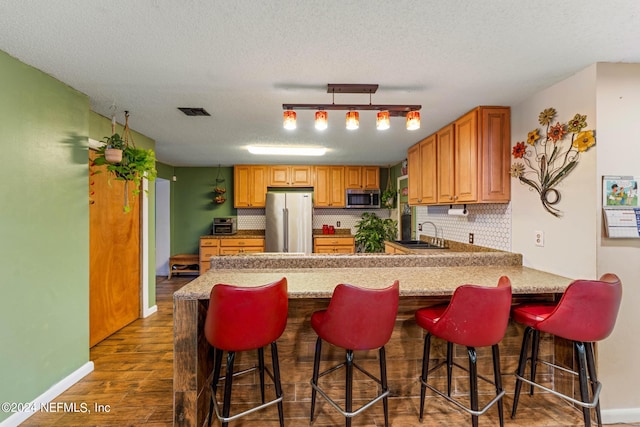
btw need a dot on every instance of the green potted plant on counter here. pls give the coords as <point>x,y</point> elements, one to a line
<point>372,231</point>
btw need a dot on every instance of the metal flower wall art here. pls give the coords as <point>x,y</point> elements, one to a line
<point>544,160</point>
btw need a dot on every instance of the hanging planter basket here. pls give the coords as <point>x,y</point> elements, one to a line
<point>113,155</point>
<point>219,189</point>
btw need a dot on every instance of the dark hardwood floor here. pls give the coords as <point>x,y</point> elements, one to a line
<point>132,383</point>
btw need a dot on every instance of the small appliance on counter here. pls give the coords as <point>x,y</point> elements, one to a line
<point>224,225</point>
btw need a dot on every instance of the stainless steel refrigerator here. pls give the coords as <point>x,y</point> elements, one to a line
<point>289,226</point>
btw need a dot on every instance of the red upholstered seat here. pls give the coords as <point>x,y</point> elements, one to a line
<point>586,313</point>
<point>241,319</point>
<point>356,319</point>
<point>246,318</point>
<point>476,316</point>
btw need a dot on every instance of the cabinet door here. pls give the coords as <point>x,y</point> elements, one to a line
<point>445,164</point>
<point>337,187</point>
<point>428,168</point>
<point>370,176</point>
<point>352,177</point>
<point>241,179</point>
<point>301,176</point>
<point>279,176</point>
<point>466,158</point>
<point>495,144</point>
<point>329,187</point>
<point>413,166</point>
<point>322,195</point>
<point>258,187</point>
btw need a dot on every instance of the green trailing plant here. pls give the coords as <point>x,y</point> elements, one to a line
<point>372,231</point>
<point>114,141</point>
<point>136,163</point>
<point>387,198</point>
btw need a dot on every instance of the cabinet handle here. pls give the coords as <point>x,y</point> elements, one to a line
<point>450,198</point>
<point>455,197</point>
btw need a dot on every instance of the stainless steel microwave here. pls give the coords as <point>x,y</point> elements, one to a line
<point>363,199</point>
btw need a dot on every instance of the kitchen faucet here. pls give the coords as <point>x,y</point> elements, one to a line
<point>438,241</point>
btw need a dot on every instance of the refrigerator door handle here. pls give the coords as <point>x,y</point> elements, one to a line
<point>285,220</point>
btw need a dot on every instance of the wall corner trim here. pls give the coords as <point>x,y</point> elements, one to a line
<point>147,312</point>
<point>623,415</point>
<point>46,397</point>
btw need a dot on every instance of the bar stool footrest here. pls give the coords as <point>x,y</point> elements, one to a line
<point>590,405</point>
<point>455,402</point>
<point>333,403</point>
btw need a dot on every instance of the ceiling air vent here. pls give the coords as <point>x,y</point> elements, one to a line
<point>189,111</point>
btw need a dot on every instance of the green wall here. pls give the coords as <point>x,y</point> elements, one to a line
<point>99,127</point>
<point>193,210</point>
<point>44,231</point>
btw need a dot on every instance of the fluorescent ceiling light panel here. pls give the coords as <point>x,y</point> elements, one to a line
<point>287,151</point>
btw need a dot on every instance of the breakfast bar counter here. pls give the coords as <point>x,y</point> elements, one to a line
<point>310,288</point>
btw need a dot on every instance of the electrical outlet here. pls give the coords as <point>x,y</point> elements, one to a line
<point>338,224</point>
<point>471,238</point>
<point>539,238</point>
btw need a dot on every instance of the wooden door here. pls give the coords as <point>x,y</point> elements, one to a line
<point>114,255</point>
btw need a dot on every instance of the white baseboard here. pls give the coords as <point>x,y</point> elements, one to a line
<point>148,312</point>
<point>626,415</point>
<point>46,397</point>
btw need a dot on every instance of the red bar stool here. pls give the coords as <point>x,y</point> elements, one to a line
<point>586,313</point>
<point>356,319</point>
<point>242,319</point>
<point>476,316</point>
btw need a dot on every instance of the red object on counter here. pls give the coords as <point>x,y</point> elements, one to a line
<point>325,229</point>
<point>332,230</point>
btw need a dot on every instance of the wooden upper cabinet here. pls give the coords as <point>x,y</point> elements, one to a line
<point>290,176</point>
<point>329,187</point>
<point>422,172</point>
<point>362,177</point>
<point>414,174</point>
<point>249,186</point>
<point>472,161</point>
<point>428,166</point>
<point>495,149</point>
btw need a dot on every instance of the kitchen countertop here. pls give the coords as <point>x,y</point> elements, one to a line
<point>422,281</point>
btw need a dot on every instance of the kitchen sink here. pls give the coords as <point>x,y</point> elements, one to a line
<point>418,244</point>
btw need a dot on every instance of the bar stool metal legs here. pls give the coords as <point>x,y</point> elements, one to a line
<point>473,381</point>
<point>225,417</point>
<point>349,364</point>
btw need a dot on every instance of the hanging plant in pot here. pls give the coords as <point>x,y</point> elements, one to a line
<point>135,164</point>
<point>113,147</point>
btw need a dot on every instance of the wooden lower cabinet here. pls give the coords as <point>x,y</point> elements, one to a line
<point>334,245</point>
<point>214,246</point>
<point>389,249</point>
<point>209,246</point>
<point>240,245</point>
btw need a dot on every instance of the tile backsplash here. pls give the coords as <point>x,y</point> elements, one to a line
<point>489,223</point>
<point>254,219</point>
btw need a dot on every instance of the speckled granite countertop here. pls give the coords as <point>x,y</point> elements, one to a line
<point>240,234</point>
<point>416,281</point>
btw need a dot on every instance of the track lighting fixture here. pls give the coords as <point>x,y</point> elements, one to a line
<point>411,112</point>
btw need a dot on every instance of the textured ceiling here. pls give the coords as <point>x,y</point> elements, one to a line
<point>241,60</point>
